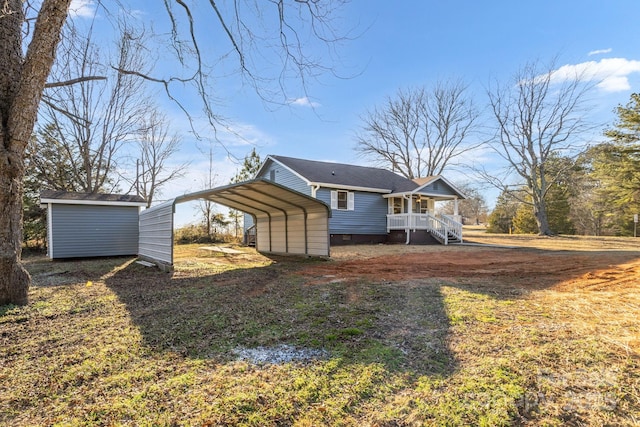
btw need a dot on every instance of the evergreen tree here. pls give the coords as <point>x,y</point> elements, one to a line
<point>48,162</point>
<point>250,167</point>
<point>524,221</point>
<point>501,218</point>
<point>616,166</point>
<point>34,227</point>
<point>515,211</point>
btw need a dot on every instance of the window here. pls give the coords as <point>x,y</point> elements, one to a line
<point>417,205</point>
<point>397,205</point>
<point>342,200</point>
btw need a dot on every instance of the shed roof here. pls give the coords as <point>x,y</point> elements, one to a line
<point>71,197</point>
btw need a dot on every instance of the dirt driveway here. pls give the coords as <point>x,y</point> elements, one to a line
<point>565,264</point>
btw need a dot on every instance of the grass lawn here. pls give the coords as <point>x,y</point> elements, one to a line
<point>456,335</point>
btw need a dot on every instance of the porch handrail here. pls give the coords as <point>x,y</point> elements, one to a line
<point>250,235</point>
<point>439,229</point>
<point>455,227</point>
<point>425,221</point>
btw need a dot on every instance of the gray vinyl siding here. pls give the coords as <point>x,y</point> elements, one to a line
<point>439,188</point>
<point>247,221</point>
<point>369,215</point>
<point>90,230</point>
<point>285,177</point>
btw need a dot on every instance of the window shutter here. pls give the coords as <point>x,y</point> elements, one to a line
<point>350,201</point>
<point>334,199</point>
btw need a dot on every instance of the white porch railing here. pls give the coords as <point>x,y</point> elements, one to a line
<point>455,226</point>
<point>441,228</point>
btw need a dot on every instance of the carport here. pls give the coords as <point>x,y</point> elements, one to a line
<point>287,222</point>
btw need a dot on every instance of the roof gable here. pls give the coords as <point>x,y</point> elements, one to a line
<point>437,185</point>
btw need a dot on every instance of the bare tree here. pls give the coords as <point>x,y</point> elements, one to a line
<point>536,118</point>
<point>207,207</point>
<point>419,132</point>
<point>473,208</point>
<point>156,148</point>
<point>93,120</point>
<point>27,54</point>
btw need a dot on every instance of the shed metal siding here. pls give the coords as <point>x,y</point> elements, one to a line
<point>263,239</point>
<point>156,233</point>
<point>285,177</point>
<point>368,217</point>
<point>93,230</point>
<point>317,232</point>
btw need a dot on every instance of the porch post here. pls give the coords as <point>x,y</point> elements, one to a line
<point>409,222</point>
<point>455,206</point>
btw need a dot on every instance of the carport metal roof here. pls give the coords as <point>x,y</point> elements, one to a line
<point>258,196</point>
<point>287,221</point>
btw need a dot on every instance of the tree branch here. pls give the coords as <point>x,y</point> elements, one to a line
<point>74,81</point>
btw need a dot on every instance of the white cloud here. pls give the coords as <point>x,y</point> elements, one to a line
<point>304,102</point>
<point>600,51</point>
<point>610,74</point>
<point>82,9</point>
<point>245,134</point>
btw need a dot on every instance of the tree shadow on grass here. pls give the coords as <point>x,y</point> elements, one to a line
<point>401,326</point>
<point>404,324</point>
<point>415,331</point>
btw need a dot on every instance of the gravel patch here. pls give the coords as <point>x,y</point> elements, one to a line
<point>279,354</point>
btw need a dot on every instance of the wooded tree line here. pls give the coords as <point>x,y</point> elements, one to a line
<point>596,193</point>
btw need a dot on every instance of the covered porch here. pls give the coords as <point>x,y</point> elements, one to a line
<point>413,211</point>
<point>443,228</point>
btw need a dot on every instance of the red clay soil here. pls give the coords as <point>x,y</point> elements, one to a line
<point>535,268</point>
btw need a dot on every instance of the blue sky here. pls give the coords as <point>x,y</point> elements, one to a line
<point>403,44</point>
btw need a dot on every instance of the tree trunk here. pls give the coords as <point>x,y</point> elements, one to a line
<point>542,220</point>
<point>14,279</point>
<point>22,80</point>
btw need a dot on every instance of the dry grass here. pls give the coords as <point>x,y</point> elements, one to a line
<point>562,242</point>
<point>458,335</point>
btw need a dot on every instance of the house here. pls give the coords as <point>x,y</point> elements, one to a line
<point>369,205</point>
<point>89,225</point>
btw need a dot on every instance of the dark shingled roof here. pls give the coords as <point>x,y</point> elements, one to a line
<point>347,175</point>
<point>94,197</point>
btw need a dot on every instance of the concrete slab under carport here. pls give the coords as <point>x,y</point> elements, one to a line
<point>287,222</point>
